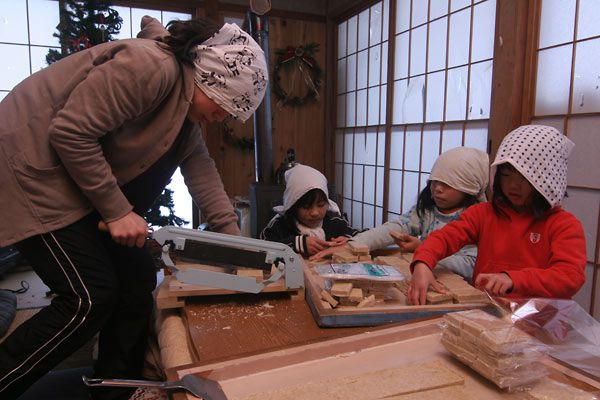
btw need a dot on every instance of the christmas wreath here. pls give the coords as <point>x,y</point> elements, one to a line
<point>297,60</point>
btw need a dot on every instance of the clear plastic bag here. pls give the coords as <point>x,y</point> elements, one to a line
<point>570,333</point>
<point>366,271</point>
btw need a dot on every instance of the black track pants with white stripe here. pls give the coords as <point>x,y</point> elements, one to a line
<point>101,287</point>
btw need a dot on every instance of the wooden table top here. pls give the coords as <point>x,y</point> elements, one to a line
<point>227,327</point>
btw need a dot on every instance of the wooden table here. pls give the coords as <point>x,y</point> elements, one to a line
<point>226,327</point>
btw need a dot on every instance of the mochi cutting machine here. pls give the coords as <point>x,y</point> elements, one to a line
<point>217,249</point>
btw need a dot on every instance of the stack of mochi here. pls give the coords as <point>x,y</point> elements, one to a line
<point>494,347</point>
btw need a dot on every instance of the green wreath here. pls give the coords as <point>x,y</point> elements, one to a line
<point>300,57</point>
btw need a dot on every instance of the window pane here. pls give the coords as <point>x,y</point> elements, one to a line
<point>43,19</point>
<point>339,145</point>
<point>13,22</point>
<point>438,8</point>
<point>370,147</point>
<point>588,22</point>
<point>452,136</point>
<point>456,94</point>
<point>476,135</point>
<point>352,35</point>
<point>15,66</point>
<point>379,193</point>
<point>373,106</point>
<point>38,58</point>
<point>384,62</point>
<point>136,18</point>
<point>410,191</point>
<point>459,38</point>
<point>480,90</point>
<point>383,102</point>
<point>341,76</point>
<point>341,37</point>
<point>381,146</point>
<point>375,31</point>
<point>458,4</point>
<point>419,13</point>
<point>375,65</point>
<point>401,55</point>
<point>584,131</point>
<point>396,147</point>
<point>399,98</point>
<point>412,151</point>
<point>363,30</point>
<point>341,110</point>
<point>351,73</point>
<point>418,50</point>
<point>182,199</point>
<point>553,79</point>
<point>484,22</point>
<point>435,96</point>
<point>347,182</point>
<point>437,44</point>
<point>431,147</point>
<point>357,214</point>
<point>358,182</point>
<point>413,103</point>
<point>348,145</point>
<point>362,69</point>
<point>369,216</point>
<point>395,191</point>
<point>361,108</point>
<point>402,15</point>
<point>125,14</point>
<point>351,109</point>
<point>369,185</point>
<point>586,92</point>
<point>386,19</point>
<point>557,22</point>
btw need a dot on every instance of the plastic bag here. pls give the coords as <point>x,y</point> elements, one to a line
<point>570,333</point>
<point>375,272</point>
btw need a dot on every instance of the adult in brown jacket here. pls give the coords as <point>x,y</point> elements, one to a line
<point>91,141</point>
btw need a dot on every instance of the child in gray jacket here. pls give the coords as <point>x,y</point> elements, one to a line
<point>458,179</point>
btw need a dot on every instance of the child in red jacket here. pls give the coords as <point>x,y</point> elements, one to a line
<point>528,246</point>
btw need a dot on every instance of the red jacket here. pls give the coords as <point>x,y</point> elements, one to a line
<point>544,258</point>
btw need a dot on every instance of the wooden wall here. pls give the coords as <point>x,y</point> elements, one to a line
<point>301,128</point>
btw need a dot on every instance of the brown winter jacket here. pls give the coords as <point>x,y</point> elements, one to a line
<point>74,132</point>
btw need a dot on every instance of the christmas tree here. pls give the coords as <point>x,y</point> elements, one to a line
<point>155,217</point>
<point>84,24</point>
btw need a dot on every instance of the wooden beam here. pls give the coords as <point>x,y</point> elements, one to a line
<point>513,64</point>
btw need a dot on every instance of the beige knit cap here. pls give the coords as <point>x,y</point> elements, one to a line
<point>463,168</point>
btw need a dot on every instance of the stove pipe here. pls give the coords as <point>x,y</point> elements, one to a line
<point>258,27</point>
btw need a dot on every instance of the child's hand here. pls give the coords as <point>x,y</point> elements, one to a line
<point>496,284</point>
<point>315,245</point>
<point>422,277</point>
<point>325,253</point>
<point>406,242</point>
<point>338,241</point>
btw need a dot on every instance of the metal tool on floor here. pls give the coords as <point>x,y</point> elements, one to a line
<point>205,389</point>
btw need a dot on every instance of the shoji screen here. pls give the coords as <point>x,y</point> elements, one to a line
<point>361,112</point>
<point>442,54</point>
<point>567,96</point>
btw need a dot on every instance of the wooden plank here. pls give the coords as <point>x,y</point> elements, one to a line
<point>164,299</point>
